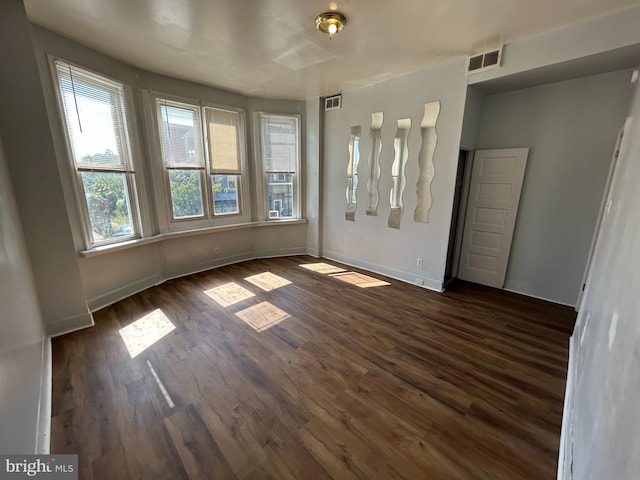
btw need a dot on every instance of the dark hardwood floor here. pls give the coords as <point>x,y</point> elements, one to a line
<point>272,370</point>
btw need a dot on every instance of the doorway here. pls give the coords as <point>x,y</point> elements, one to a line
<point>484,215</point>
<point>459,209</point>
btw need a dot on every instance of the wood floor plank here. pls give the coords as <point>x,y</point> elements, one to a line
<point>281,369</point>
<point>198,450</point>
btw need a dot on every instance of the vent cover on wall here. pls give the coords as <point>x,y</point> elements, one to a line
<point>484,61</point>
<point>333,103</point>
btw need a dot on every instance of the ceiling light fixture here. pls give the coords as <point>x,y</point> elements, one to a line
<point>330,23</point>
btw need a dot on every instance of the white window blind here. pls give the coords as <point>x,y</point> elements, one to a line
<point>96,117</point>
<point>279,143</point>
<point>180,135</point>
<point>223,141</point>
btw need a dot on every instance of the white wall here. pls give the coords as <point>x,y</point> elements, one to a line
<point>471,122</point>
<point>22,342</point>
<point>616,30</point>
<point>571,129</point>
<point>606,426</point>
<point>368,242</point>
<point>35,177</point>
<point>312,175</point>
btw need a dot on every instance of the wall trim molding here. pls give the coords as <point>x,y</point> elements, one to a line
<point>69,324</point>
<point>513,290</point>
<point>43,426</point>
<point>125,291</point>
<point>407,277</point>
<point>565,455</point>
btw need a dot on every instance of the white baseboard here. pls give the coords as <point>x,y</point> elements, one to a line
<point>407,277</point>
<point>513,290</point>
<point>70,324</point>
<point>43,434</point>
<point>123,292</point>
<point>565,456</point>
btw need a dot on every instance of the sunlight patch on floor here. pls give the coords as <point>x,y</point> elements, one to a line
<point>161,386</point>
<point>360,280</point>
<point>324,268</point>
<point>229,294</point>
<point>144,332</point>
<point>262,316</point>
<point>268,281</point>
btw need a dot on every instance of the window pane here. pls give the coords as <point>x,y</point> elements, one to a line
<point>225,194</point>
<point>96,118</point>
<point>186,193</point>
<point>224,151</point>
<point>280,144</point>
<point>180,136</point>
<point>280,194</point>
<point>107,197</point>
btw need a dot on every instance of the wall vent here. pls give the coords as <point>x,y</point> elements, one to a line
<point>484,61</point>
<point>333,103</point>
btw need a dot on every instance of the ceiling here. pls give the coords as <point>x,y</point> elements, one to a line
<point>271,48</point>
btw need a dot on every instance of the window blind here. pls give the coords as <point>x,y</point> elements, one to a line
<point>223,141</point>
<point>180,135</point>
<point>279,144</point>
<point>96,119</point>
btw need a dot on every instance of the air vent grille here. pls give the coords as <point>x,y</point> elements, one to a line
<point>333,103</point>
<point>484,61</point>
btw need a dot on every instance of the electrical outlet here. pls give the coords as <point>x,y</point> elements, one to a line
<point>419,262</point>
<point>217,250</point>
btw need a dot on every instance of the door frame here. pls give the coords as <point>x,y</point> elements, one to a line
<point>462,213</point>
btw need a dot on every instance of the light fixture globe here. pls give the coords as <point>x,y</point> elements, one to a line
<point>330,22</point>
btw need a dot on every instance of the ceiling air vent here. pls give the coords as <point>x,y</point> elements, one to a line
<point>484,61</point>
<point>333,103</point>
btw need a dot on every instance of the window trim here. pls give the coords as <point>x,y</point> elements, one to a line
<point>261,175</point>
<point>164,207</point>
<point>132,176</point>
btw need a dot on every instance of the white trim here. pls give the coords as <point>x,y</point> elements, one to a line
<point>558,302</point>
<point>137,242</point>
<point>70,324</point>
<point>125,291</point>
<point>565,455</point>
<point>407,277</point>
<point>43,426</point>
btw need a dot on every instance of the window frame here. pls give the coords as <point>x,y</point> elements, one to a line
<point>127,128</point>
<point>262,175</point>
<point>164,205</point>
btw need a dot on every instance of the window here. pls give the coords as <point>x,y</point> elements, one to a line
<point>224,156</point>
<point>183,158</point>
<point>95,117</point>
<point>280,148</point>
<point>202,183</point>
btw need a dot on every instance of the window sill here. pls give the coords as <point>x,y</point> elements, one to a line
<point>137,242</point>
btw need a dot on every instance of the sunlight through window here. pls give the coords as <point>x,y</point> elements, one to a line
<point>360,280</point>
<point>163,389</point>
<point>324,268</point>
<point>268,281</point>
<point>229,294</point>
<point>262,316</point>
<point>146,331</point>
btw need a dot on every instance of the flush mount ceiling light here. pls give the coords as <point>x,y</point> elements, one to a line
<point>330,22</point>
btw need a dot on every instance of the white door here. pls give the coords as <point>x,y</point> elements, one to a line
<point>494,194</point>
